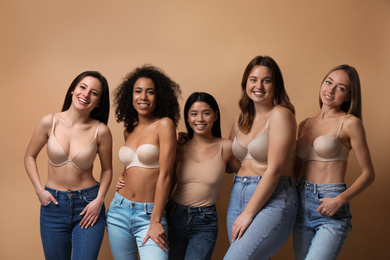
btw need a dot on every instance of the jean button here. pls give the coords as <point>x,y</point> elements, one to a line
<point>133,205</point>
<point>245,179</point>
<point>70,194</point>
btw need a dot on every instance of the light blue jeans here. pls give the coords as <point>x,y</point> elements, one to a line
<point>127,225</point>
<point>271,226</point>
<point>317,236</point>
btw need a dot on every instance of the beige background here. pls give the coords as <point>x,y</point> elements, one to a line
<point>204,46</point>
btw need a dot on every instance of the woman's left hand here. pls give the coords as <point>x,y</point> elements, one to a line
<point>330,206</point>
<point>157,233</point>
<point>240,225</point>
<point>91,213</point>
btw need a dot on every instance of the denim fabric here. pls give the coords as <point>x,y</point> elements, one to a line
<point>193,231</point>
<point>271,226</point>
<point>128,223</point>
<point>62,236</point>
<point>317,236</point>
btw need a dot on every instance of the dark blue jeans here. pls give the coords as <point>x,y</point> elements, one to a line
<point>62,236</point>
<point>192,231</point>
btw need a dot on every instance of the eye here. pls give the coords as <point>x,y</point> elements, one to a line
<point>95,93</point>
<point>253,80</point>
<point>327,82</point>
<point>342,89</point>
<point>193,114</point>
<point>267,81</point>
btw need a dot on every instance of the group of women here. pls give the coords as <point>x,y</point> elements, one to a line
<point>164,206</point>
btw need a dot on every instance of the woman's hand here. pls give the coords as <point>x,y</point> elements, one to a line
<point>157,233</point>
<point>91,213</point>
<point>182,137</point>
<point>46,197</point>
<point>240,225</point>
<point>121,182</point>
<point>330,206</point>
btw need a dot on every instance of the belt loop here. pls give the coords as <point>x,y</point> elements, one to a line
<point>80,194</point>
<point>315,188</point>
<point>121,200</point>
<point>234,177</point>
<point>56,194</point>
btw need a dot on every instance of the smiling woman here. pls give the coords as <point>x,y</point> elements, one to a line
<point>136,219</point>
<point>74,137</point>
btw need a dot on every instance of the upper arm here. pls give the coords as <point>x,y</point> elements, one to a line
<point>282,137</point>
<point>234,129</point>
<point>357,137</point>
<point>105,147</point>
<point>167,145</point>
<point>228,157</point>
<point>39,137</point>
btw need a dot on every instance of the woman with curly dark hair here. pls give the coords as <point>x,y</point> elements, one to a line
<point>146,101</point>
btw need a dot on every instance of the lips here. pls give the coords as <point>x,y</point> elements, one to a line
<point>81,100</point>
<point>143,105</point>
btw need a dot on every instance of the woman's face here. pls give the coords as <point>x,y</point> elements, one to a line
<point>201,118</point>
<point>335,89</point>
<point>86,94</point>
<point>260,85</point>
<point>144,96</point>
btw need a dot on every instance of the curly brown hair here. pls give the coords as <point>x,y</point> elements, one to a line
<point>167,93</point>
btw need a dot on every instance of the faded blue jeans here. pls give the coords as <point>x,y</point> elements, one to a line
<point>128,223</point>
<point>271,226</point>
<point>62,236</point>
<point>193,231</point>
<point>317,236</point>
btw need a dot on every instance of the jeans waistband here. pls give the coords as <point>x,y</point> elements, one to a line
<point>73,193</point>
<point>255,179</point>
<point>133,204</point>
<point>322,187</point>
<point>190,209</point>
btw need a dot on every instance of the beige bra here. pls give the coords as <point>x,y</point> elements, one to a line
<point>325,148</point>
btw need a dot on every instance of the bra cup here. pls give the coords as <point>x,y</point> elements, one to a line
<point>148,154</point>
<point>55,153</point>
<point>258,148</point>
<point>126,155</point>
<point>326,146</point>
<point>302,148</point>
<point>238,151</point>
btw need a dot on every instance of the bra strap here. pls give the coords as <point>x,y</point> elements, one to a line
<point>341,126</point>
<point>54,123</point>
<point>97,130</point>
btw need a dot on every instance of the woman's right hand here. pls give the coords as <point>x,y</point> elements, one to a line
<point>45,197</point>
<point>121,182</point>
<point>182,137</point>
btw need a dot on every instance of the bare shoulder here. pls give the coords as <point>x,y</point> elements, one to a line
<point>353,123</point>
<point>104,131</point>
<point>166,122</point>
<point>46,121</point>
<point>282,115</point>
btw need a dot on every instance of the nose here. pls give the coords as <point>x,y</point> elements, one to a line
<point>144,96</point>
<point>200,117</point>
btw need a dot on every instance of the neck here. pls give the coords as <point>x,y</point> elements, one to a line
<point>203,139</point>
<point>327,112</point>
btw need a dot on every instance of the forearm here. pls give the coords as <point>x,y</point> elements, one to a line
<point>105,181</point>
<point>32,172</point>
<point>263,192</point>
<point>360,184</point>
<point>160,198</point>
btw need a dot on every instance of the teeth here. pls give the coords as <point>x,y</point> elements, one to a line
<point>259,93</point>
<point>83,101</point>
<point>200,125</point>
<point>143,105</point>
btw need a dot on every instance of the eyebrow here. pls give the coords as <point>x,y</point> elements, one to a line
<point>82,83</point>
<point>338,82</point>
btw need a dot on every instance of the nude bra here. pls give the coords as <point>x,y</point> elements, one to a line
<point>257,149</point>
<point>57,156</point>
<point>146,156</point>
<point>325,148</point>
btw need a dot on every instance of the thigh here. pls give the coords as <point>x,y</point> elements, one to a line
<point>122,241</point>
<point>86,242</point>
<point>328,241</point>
<point>177,231</point>
<point>235,207</point>
<point>203,236</point>
<point>56,231</point>
<point>149,250</point>
<point>269,229</point>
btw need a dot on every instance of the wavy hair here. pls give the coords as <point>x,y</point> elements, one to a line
<point>280,95</point>
<point>210,100</point>
<point>102,111</point>
<point>167,94</point>
<point>354,105</point>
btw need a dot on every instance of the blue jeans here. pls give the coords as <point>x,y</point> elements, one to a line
<point>62,236</point>
<point>317,236</point>
<point>271,226</point>
<point>193,231</point>
<point>128,223</point>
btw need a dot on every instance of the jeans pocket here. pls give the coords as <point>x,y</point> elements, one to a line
<point>45,205</point>
<point>89,197</point>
